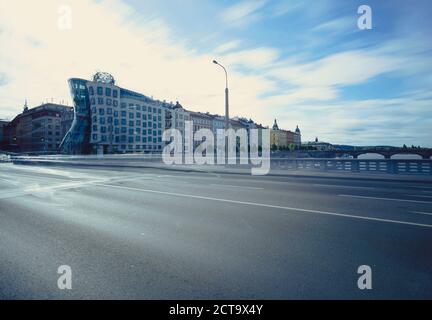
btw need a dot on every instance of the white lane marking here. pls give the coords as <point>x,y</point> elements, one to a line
<point>341,186</point>
<point>232,186</point>
<point>419,195</point>
<point>419,212</point>
<point>420,187</point>
<point>64,186</point>
<point>378,198</point>
<point>265,205</point>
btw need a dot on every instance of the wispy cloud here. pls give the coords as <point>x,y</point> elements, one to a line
<point>243,13</point>
<point>228,46</point>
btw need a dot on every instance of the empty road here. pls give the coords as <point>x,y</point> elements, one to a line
<point>148,233</point>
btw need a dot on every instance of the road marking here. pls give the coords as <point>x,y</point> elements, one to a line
<point>419,212</point>
<point>341,186</point>
<point>385,199</point>
<point>265,205</point>
<point>232,186</point>
<point>420,196</point>
<point>420,187</point>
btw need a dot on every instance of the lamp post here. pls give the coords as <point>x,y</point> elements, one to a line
<point>226,96</point>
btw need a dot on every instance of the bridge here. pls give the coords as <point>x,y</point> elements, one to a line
<point>424,153</point>
<point>387,154</point>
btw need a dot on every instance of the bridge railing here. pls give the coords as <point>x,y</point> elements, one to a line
<point>392,166</point>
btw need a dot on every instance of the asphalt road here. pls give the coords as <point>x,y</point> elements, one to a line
<point>156,234</point>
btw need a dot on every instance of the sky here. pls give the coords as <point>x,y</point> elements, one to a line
<point>306,63</point>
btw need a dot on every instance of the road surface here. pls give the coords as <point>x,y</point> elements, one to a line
<point>148,233</point>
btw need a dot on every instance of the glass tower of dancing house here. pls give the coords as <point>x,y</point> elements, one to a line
<point>110,119</point>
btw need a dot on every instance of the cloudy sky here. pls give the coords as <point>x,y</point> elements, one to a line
<point>305,63</point>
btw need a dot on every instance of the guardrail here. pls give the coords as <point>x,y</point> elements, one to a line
<point>383,166</point>
<point>392,166</point>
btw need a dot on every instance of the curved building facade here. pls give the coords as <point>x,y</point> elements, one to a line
<point>110,119</point>
<point>77,139</point>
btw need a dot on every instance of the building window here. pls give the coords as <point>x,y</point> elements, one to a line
<point>123,130</point>
<point>116,114</point>
<point>116,122</point>
<point>95,136</point>
<point>95,127</point>
<point>131,131</point>
<point>102,120</point>
<point>100,100</point>
<point>103,129</point>
<point>109,111</point>
<point>104,138</point>
<point>123,113</point>
<point>123,122</point>
<point>123,105</point>
<point>131,123</point>
<point>114,93</point>
<point>108,101</point>
<point>144,117</point>
<point>101,112</point>
<point>138,122</point>
<point>93,101</point>
<point>108,92</point>
<point>100,91</point>
<point>131,115</point>
<point>115,103</point>
<point>91,91</point>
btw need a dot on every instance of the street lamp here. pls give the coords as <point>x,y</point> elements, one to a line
<point>226,95</point>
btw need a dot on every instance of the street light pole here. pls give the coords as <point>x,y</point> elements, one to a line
<point>226,95</point>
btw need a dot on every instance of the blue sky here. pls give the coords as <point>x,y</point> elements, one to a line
<point>305,63</point>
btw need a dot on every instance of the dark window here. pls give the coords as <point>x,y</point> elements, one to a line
<point>115,103</point>
<point>114,93</point>
<point>100,91</point>
<point>108,92</point>
<point>91,91</point>
<point>108,101</point>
